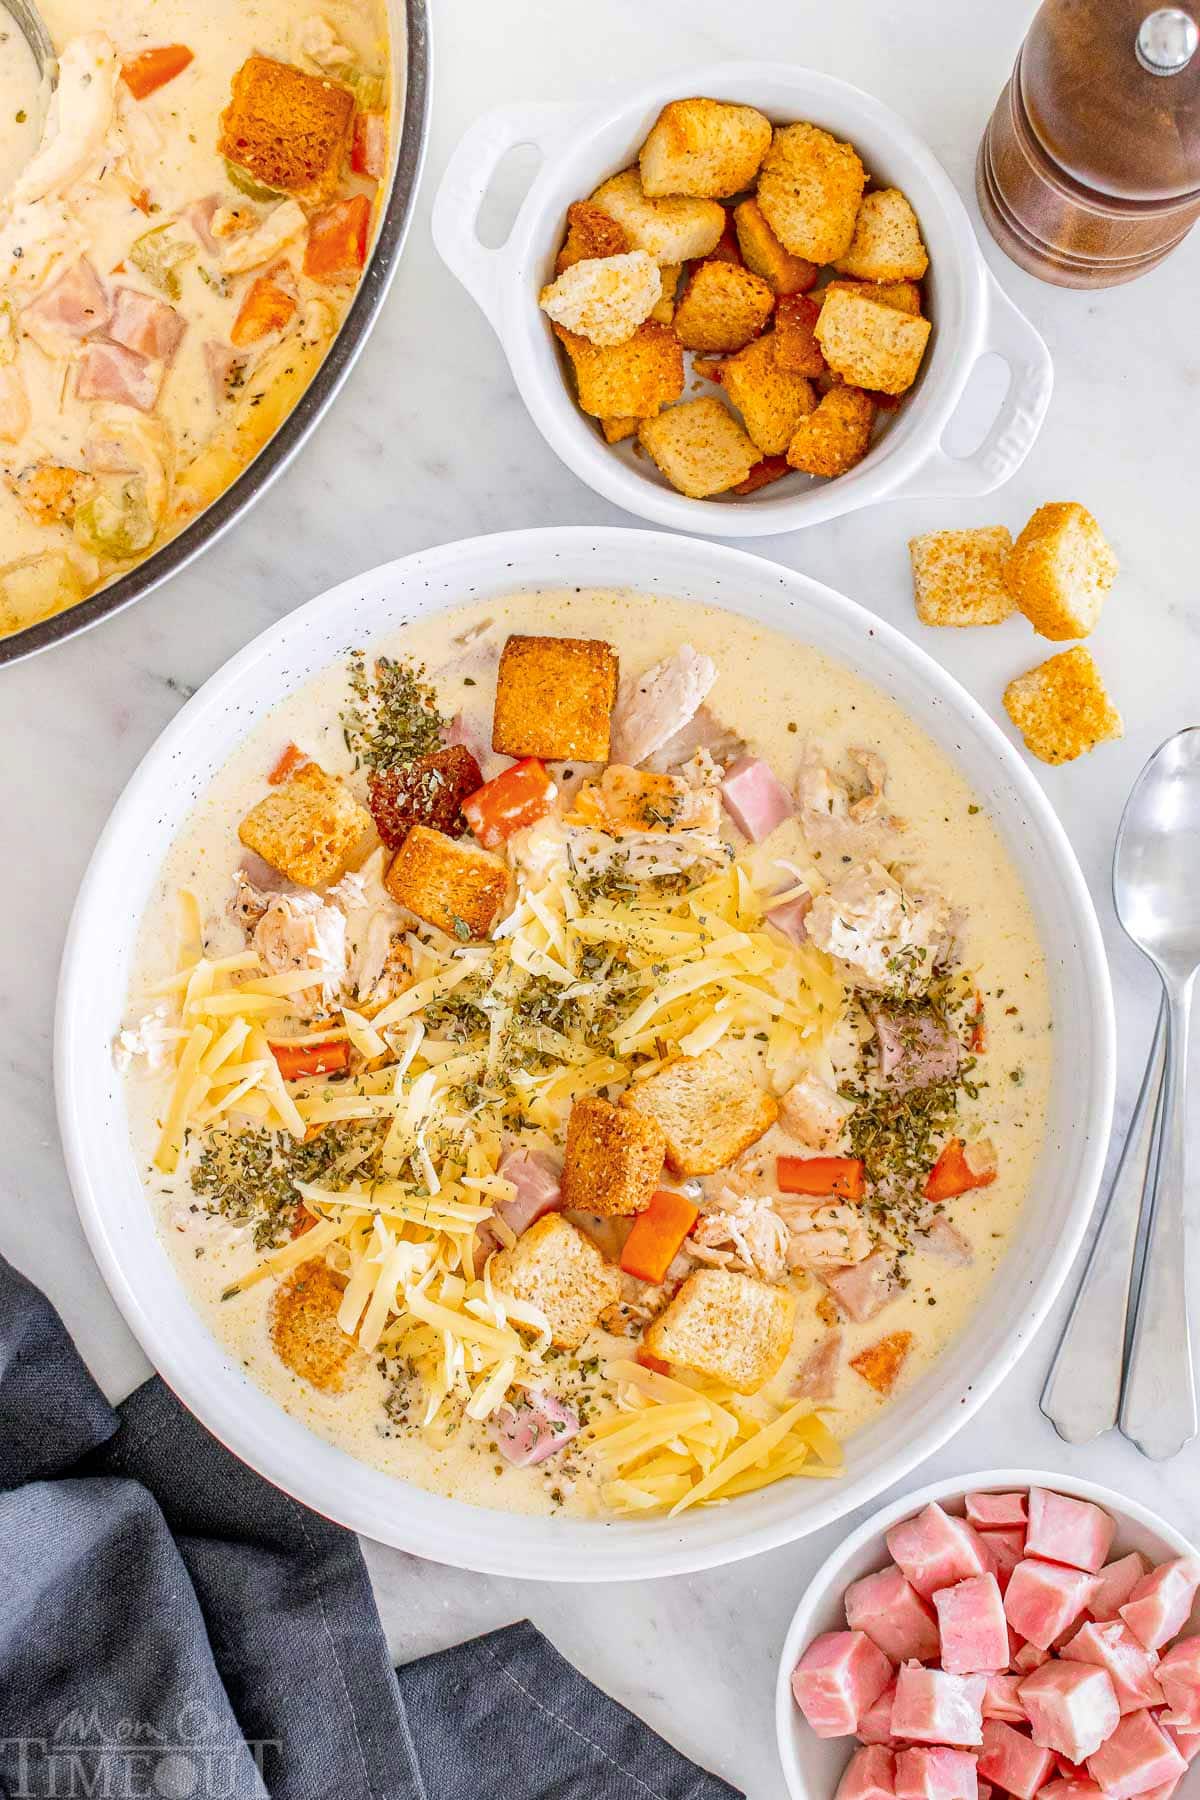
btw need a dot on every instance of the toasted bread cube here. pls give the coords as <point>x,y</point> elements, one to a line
<point>664,308</point>
<point>616,429</point>
<point>834,437</point>
<point>1062,708</point>
<point>590,233</point>
<point>958,576</point>
<point>796,346</point>
<point>886,245</point>
<point>554,697</point>
<point>308,828</point>
<point>451,884</point>
<point>809,189</point>
<point>763,253</point>
<point>703,148</point>
<point>289,130</point>
<point>771,400</point>
<point>880,1363</point>
<point>613,1159</point>
<point>606,298</point>
<point>904,296</point>
<point>302,1320</point>
<point>709,1109</point>
<point>557,1268</point>
<point>673,231</point>
<point>871,345</point>
<point>700,447</point>
<point>1060,569</point>
<point>723,307</point>
<point>631,380</point>
<point>730,1328</point>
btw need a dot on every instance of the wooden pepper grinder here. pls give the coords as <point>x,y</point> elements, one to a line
<point>1089,171</point>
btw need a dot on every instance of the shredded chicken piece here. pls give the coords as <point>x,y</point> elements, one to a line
<point>813,1114</point>
<point>318,41</point>
<point>824,1235</point>
<point>883,937</point>
<point>248,249</point>
<point>152,1037</point>
<point>843,813</point>
<point>294,931</point>
<point>743,1233</point>
<point>77,122</point>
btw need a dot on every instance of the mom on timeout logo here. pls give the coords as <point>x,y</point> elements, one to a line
<point>197,1756</point>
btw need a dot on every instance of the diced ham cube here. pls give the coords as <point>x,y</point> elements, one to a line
<point>1002,1701</point>
<point>15,412</point>
<point>1186,1742</point>
<point>865,1288</point>
<point>972,1626</point>
<point>110,372</point>
<point>893,1615</point>
<point>1027,1657</point>
<point>1179,1675</point>
<point>1044,1600</point>
<point>1134,1758</point>
<point>791,918</point>
<point>1158,1608</point>
<point>755,799</point>
<point>1008,1549</point>
<point>535,1176</point>
<point>1072,1708</point>
<point>1117,1581</point>
<point>1067,1789</point>
<point>936,1773</point>
<point>70,307</point>
<point>839,1676</point>
<point>869,1775</point>
<point>535,1429</point>
<point>1013,1761</point>
<point>145,324</point>
<point>945,1241</point>
<point>996,1512</point>
<point>816,1378</point>
<point>199,216</point>
<point>1066,1530</point>
<point>935,1549</point>
<point>1161,1793</point>
<point>1071,1771</point>
<point>1112,1646</point>
<point>875,1726</point>
<point>915,1049</point>
<point>932,1707</point>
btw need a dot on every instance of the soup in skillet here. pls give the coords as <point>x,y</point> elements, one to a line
<point>590,1057</point>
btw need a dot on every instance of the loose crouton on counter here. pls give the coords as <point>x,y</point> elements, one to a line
<point>730,1328</point>
<point>554,698</point>
<point>305,1332</point>
<point>902,296</point>
<point>958,576</point>
<point>1062,708</point>
<point>809,189</point>
<point>771,400</point>
<point>709,1109</point>
<point>706,149</point>
<point>605,298</point>
<point>557,1268</point>
<point>700,447</point>
<point>308,829</point>
<point>289,130</point>
<point>763,253</point>
<point>1060,569</point>
<point>674,230</point>
<point>455,886</point>
<point>871,345</point>
<point>613,1158</point>
<point>722,307</point>
<point>835,436</point>
<point>590,233</point>
<point>630,380</point>
<point>886,245</point>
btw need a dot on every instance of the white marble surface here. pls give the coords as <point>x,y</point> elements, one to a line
<point>429,442</point>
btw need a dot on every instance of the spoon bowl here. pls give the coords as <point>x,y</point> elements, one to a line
<point>32,27</point>
<point>1156,868</point>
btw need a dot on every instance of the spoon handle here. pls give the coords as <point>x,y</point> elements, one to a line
<point>1158,1407</point>
<point>1082,1395</point>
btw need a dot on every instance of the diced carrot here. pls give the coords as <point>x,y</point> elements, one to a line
<point>771,468</point>
<point>337,241</point>
<point>643,1356</point>
<point>978,1041</point>
<point>312,1059</point>
<point>820,1175</point>
<point>152,69</point>
<point>958,1171</point>
<point>657,1235</point>
<point>141,199</point>
<point>521,796</point>
<point>368,154</point>
<point>291,760</point>
<point>267,307</point>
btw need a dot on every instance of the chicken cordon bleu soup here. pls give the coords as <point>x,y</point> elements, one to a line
<point>587,1054</point>
<point>176,256</point>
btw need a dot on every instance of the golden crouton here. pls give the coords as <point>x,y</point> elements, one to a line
<point>631,380</point>
<point>796,346</point>
<point>613,1159</point>
<point>703,148</point>
<point>557,1268</point>
<point>700,447</point>
<point>1061,708</point>
<point>905,296</point>
<point>308,828</point>
<point>289,130</point>
<point>765,255</point>
<point>590,232</point>
<point>1060,569</point>
<point>606,298</point>
<point>451,884</point>
<point>834,437</point>
<point>809,190</point>
<point>880,1363</point>
<point>958,576</point>
<point>305,1332</point>
<point>730,1328</point>
<point>886,245</point>
<point>871,345</point>
<point>673,231</point>
<point>554,697</point>
<point>709,1109</point>
<point>616,429</point>
<point>664,309</point>
<point>771,400</point>
<point>722,308</point>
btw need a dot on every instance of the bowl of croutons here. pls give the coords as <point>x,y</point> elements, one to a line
<point>742,300</point>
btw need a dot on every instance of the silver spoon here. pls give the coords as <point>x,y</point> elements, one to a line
<point>33,29</point>
<point>1156,886</point>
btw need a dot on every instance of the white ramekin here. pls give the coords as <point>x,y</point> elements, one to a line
<point>813,1765</point>
<point>580,147</point>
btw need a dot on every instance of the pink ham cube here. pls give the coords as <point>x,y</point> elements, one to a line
<point>1179,1675</point>
<point>1002,1701</point>
<point>1012,1760</point>
<point>1112,1646</point>
<point>893,1615</point>
<point>1186,1742</point>
<point>869,1775</point>
<point>755,799</point>
<point>1066,1530</point>
<point>1068,1789</point>
<point>1117,1581</point>
<point>1072,1708</point>
<point>1158,1607</point>
<point>864,1289</point>
<point>1027,1657</point>
<point>1161,1793</point>
<point>1006,1548</point>
<point>1134,1758</point>
<point>836,1680</point>
<point>875,1725</point>
<point>932,1707</point>
<point>997,1512</point>
<point>935,1773</point>
<point>935,1550</point>
<point>1044,1600</point>
<point>972,1626</point>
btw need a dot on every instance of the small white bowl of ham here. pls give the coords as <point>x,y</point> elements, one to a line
<point>907,1665</point>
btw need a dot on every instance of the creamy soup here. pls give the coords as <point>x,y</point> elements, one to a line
<point>22,101</point>
<point>173,265</point>
<point>671,1102</point>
